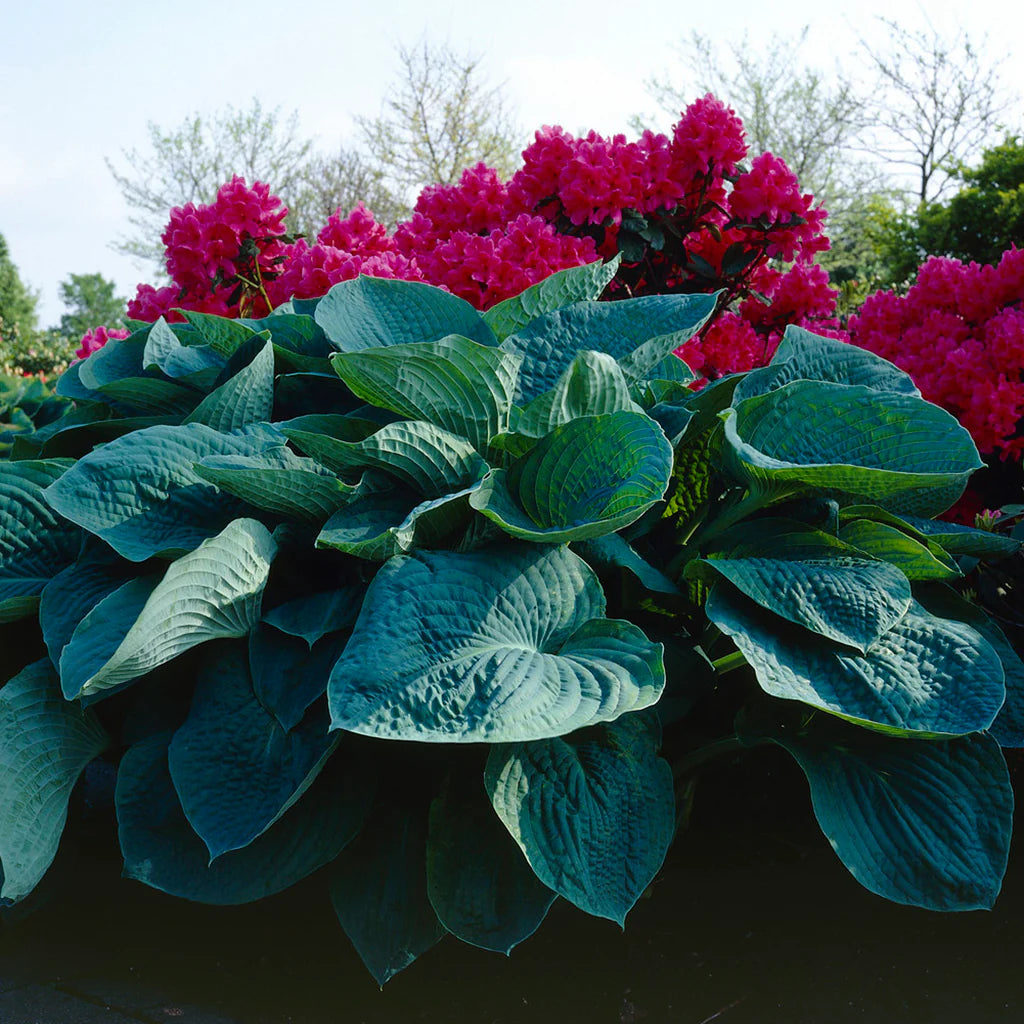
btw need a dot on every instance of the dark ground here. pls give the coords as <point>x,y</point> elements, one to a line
<point>752,921</point>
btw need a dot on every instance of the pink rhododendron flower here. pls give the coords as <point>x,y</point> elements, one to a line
<point>94,340</point>
<point>358,233</point>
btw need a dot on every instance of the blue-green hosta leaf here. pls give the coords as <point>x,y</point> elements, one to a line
<point>921,822</point>
<point>964,540</point>
<point>897,450</point>
<point>802,355</point>
<point>211,592</point>
<point>592,384</point>
<point>118,359</point>
<point>45,742</point>
<point>314,615</point>
<point>594,813</point>
<point>244,399</point>
<point>235,768</point>
<point>371,312</point>
<point>336,426</point>
<point>288,675</point>
<point>502,644</point>
<point>454,383</point>
<point>480,885</point>
<point>223,335</point>
<point>590,477</point>
<point>853,601</point>
<point>70,596</point>
<point>917,561</point>
<point>1008,727</point>
<point>613,550</point>
<point>563,288</point>
<point>639,333</point>
<point>293,333</point>
<point>153,396</point>
<point>925,675</point>
<point>199,364</point>
<point>35,544</point>
<point>379,890</point>
<point>431,461</point>
<point>385,524</point>
<point>141,494</point>
<point>161,850</point>
<point>278,481</point>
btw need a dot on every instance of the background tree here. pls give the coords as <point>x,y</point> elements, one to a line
<point>789,109</point>
<point>440,118</point>
<point>935,103</point>
<point>90,301</point>
<point>188,163</point>
<point>18,302</point>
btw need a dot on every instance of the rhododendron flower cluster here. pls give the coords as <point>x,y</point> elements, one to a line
<point>680,209</point>
<point>959,332</point>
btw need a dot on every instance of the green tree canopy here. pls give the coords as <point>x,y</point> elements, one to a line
<point>18,302</point>
<point>90,302</point>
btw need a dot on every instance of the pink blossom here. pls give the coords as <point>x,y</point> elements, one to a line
<point>94,340</point>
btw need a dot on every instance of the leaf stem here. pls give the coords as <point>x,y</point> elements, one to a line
<point>728,662</point>
<point>696,758</point>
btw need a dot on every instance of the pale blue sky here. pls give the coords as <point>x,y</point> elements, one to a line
<point>78,82</point>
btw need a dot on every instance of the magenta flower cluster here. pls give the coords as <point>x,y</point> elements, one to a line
<point>680,207</point>
<point>959,332</point>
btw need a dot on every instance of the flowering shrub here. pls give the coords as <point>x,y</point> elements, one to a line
<point>959,332</point>
<point>680,210</point>
<point>95,339</point>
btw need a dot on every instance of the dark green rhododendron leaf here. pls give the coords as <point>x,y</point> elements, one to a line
<point>1008,727</point>
<point>850,600</point>
<point>593,812</point>
<point>45,742</point>
<point>142,496</point>
<point>639,333</point>
<point>921,822</point>
<point>35,544</point>
<point>161,850</point>
<point>917,561</point>
<point>502,644</point>
<point>288,674</point>
<point>894,449</point>
<point>210,593</point>
<point>235,768</point>
<point>382,525</point>
<point>72,594</point>
<point>454,383</point>
<point>198,364</point>
<point>925,675</point>
<point>802,355</point>
<point>576,284</point>
<point>278,481</point>
<point>480,885</point>
<point>371,312</point>
<point>314,615</point>
<point>592,384</point>
<point>244,399</point>
<point>379,890</point>
<point>590,477</point>
<point>431,461</point>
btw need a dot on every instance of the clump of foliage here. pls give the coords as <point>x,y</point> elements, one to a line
<point>440,602</point>
<point>682,210</point>
<point>25,404</point>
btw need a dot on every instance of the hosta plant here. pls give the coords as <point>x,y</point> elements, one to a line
<point>448,604</point>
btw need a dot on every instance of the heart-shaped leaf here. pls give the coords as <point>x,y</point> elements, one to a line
<point>593,812</point>
<point>501,644</point>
